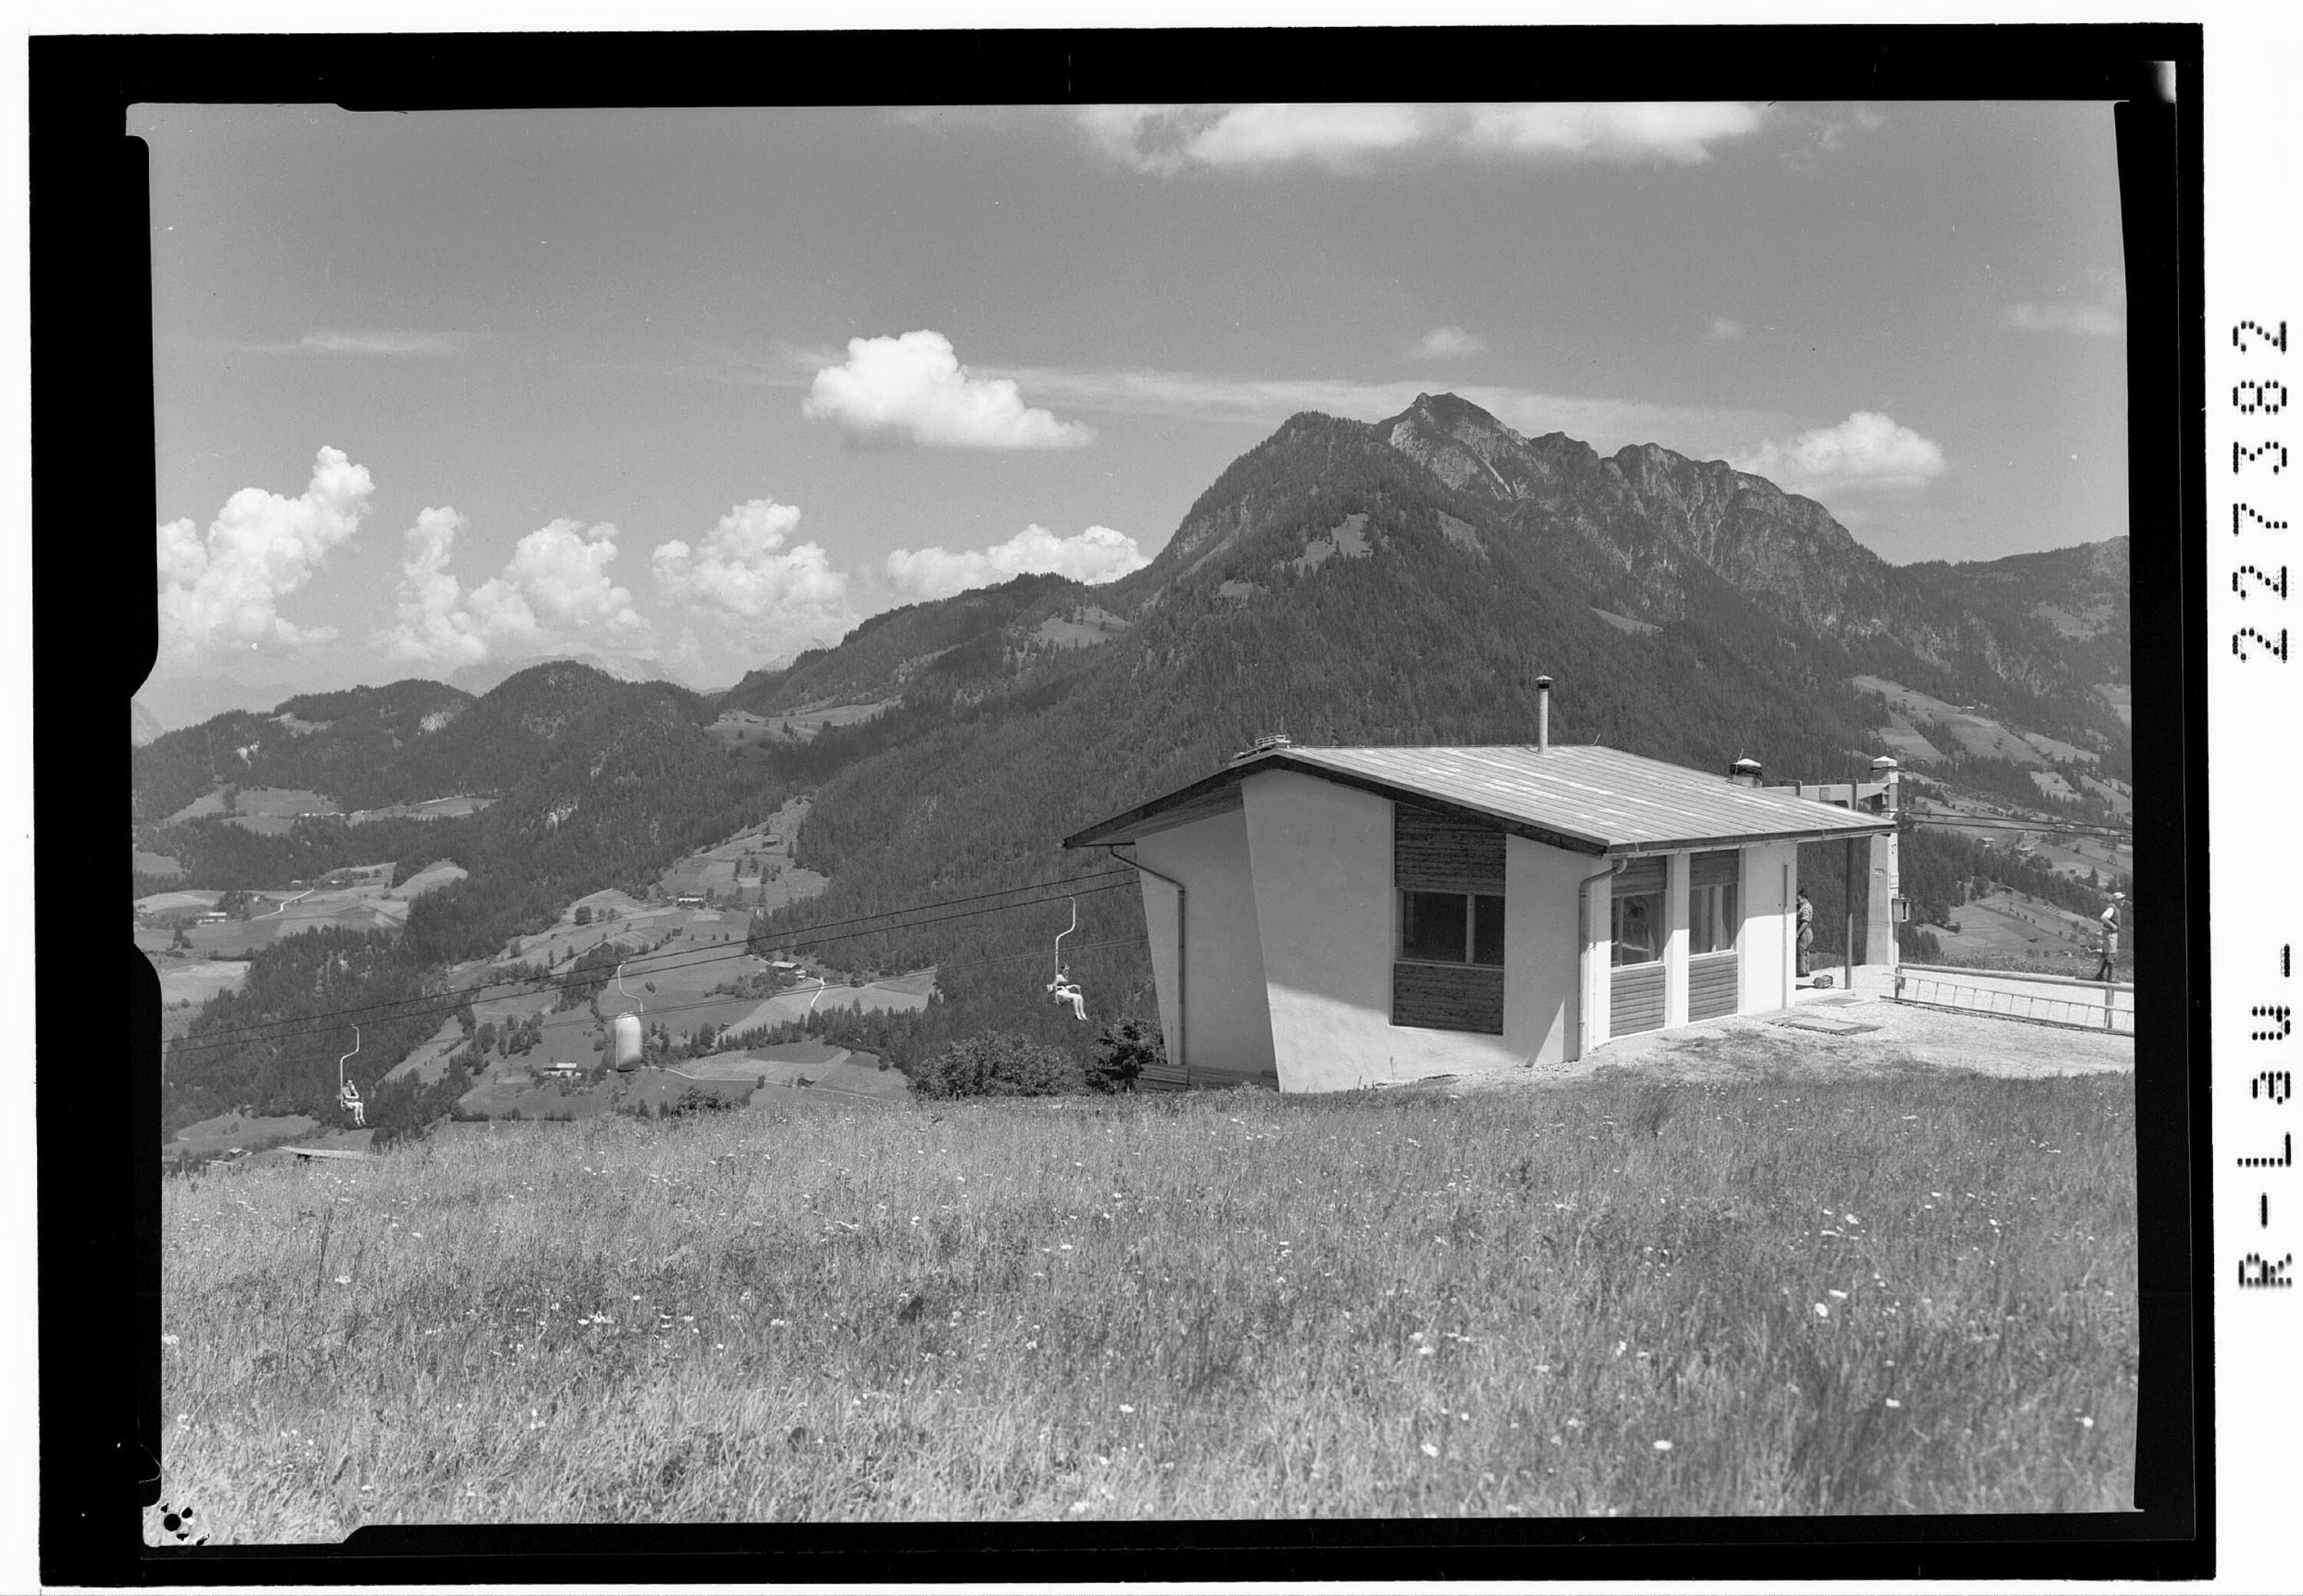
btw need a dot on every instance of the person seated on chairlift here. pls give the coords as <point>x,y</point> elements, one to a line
<point>1062,990</point>
<point>351,1101</point>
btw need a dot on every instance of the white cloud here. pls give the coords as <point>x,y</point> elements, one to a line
<point>1726,329</point>
<point>1098,554</point>
<point>1865,451</point>
<point>381,344</point>
<point>553,594</point>
<point>1350,138</point>
<point>433,626</point>
<point>223,589</point>
<point>1682,132</point>
<point>1449,343</point>
<point>915,387</point>
<point>2097,321</point>
<point>780,599</point>
<point>1339,136</point>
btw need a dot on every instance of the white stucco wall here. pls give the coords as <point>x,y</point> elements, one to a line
<point>1321,856</point>
<point>1227,1024</point>
<point>1765,958</point>
<point>1540,939</point>
<point>1598,959</point>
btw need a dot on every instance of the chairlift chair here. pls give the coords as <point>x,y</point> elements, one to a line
<point>347,1093</point>
<point>1063,989</point>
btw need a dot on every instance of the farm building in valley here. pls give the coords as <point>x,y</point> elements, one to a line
<point>1327,918</point>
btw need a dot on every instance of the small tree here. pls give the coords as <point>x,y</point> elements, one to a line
<point>1123,1050</point>
<point>1000,1064</point>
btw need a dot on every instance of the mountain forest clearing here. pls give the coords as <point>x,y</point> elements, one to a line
<point>1899,1289</point>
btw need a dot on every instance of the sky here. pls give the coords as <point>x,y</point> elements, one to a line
<point>687,392</point>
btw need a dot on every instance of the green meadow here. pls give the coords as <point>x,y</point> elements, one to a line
<point>1614,1296</point>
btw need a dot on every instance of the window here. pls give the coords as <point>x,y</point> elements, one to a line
<point>1635,912</point>
<point>1712,916</point>
<point>1711,919</point>
<point>1451,927</point>
<point>1637,927</point>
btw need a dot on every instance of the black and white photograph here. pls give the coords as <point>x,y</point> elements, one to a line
<point>1128,814</point>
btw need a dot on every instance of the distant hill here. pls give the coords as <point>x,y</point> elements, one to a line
<point>368,747</point>
<point>186,700</point>
<point>143,725</point>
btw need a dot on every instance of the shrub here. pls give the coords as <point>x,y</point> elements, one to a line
<point>1000,1064</point>
<point>1126,1046</point>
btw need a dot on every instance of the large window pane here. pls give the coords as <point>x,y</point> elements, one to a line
<point>1432,926</point>
<point>1711,919</point>
<point>1636,923</point>
<point>1487,929</point>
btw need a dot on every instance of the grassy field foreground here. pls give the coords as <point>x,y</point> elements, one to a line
<point>1874,1296</point>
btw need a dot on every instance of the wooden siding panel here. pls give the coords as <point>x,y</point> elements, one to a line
<point>1438,853</point>
<point>1168,1078</point>
<point>1641,875</point>
<point>1711,985</point>
<point>1439,997</point>
<point>1635,1000</point>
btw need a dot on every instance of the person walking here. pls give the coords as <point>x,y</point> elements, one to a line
<point>1806,932</point>
<point>2110,920</point>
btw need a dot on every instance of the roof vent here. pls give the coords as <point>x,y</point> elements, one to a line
<point>1264,744</point>
<point>1745,772</point>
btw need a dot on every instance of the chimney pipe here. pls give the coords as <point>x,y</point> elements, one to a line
<point>1542,713</point>
<point>1745,773</point>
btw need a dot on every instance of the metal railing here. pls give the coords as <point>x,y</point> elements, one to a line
<point>1965,992</point>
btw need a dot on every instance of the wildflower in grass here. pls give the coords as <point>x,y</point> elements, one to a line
<point>2086,1422</point>
<point>1663,1446</point>
<point>1429,1450</point>
<point>343,1279</point>
<point>1821,1312</point>
<point>1892,1403</point>
<point>1127,1407</point>
<point>167,1340</point>
<point>1841,1295</point>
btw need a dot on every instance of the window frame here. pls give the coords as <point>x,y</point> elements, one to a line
<point>1472,945</point>
<point>1733,921</point>
<point>1658,920</point>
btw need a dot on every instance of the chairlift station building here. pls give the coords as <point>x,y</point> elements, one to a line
<point>1326,918</point>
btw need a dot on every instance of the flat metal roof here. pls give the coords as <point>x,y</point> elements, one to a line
<point>1582,798</point>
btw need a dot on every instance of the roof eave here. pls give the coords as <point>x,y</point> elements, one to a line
<point>1746,839</point>
<point>1125,828</point>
